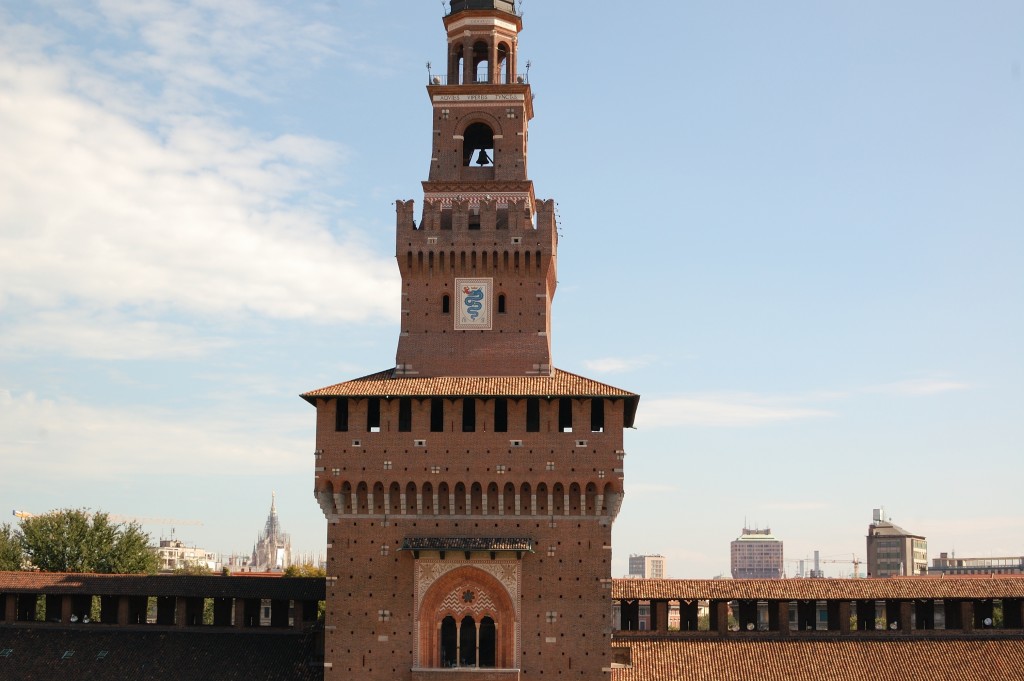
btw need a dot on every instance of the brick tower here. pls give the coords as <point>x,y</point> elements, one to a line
<point>471,489</point>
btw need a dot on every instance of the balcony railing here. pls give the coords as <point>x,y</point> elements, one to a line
<point>438,79</point>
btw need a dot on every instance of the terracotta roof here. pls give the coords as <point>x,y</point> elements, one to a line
<point>804,660</point>
<point>820,589</point>
<point>213,586</point>
<point>467,544</point>
<point>103,653</point>
<point>559,384</point>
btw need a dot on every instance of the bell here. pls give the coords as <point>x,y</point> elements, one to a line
<point>483,159</point>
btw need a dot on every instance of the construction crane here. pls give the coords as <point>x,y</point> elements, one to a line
<point>816,569</point>
<point>138,520</point>
<point>854,560</point>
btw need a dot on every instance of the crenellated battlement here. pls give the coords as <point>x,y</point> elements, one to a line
<point>511,225</point>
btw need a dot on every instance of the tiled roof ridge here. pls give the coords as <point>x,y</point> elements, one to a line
<point>974,586</point>
<point>388,375</point>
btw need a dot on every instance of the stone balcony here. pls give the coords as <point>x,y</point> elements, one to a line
<point>465,674</point>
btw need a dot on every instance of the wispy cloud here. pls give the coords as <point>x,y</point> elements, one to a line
<point>119,198</point>
<point>610,365</point>
<point>103,335</point>
<point>733,410</point>
<point>98,444</point>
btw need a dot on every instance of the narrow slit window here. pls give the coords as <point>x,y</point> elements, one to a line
<point>469,415</point>
<point>437,415</point>
<point>341,415</point>
<point>565,415</point>
<point>501,415</point>
<point>533,415</point>
<point>373,415</point>
<point>446,304</point>
<point>501,304</point>
<point>405,415</point>
<point>597,415</point>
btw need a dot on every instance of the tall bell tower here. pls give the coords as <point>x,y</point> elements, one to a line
<point>470,490</point>
<point>481,219</point>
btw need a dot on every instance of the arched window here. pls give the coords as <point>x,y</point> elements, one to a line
<point>449,642</point>
<point>501,304</point>
<point>478,146</point>
<point>467,642</point>
<point>446,304</point>
<point>488,643</point>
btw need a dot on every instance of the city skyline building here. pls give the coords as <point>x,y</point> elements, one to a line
<point>893,551</point>
<point>951,564</point>
<point>757,554</point>
<point>470,489</point>
<point>647,566</point>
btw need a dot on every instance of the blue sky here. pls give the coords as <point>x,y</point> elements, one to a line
<point>796,229</point>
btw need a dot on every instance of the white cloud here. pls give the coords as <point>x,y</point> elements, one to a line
<point>720,411</point>
<point>132,203</point>
<point>609,365</point>
<point>63,438</point>
<point>103,335</point>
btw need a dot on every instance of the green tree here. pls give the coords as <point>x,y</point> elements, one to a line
<point>304,570</point>
<point>75,540</point>
<point>10,549</point>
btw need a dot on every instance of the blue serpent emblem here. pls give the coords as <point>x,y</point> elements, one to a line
<point>472,301</point>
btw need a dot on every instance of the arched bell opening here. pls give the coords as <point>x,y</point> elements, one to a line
<point>505,63</point>
<point>455,55</point>
<point>478,146</point>
<point>481,62</point>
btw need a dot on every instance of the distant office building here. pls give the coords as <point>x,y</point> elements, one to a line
<point>273,549</point>
<point>995,565</point>
<point>892,551</point>
<point>756,554</point>
<point>173,555</point>
<point>647,566</point>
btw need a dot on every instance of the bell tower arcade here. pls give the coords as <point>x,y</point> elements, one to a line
<point>470,490</point>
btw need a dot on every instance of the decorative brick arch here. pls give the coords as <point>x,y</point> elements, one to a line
<point>466,590</point>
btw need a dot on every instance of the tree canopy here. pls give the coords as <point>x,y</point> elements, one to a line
<point>10,549</point>
<point>304,570</point>
<point>75,540</point>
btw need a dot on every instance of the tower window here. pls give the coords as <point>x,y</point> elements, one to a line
<point>437,415</point>
<point>446,304</point>
<point>565,415</point>
<point>501,304</point>
<point>500,415</point>
<point>341,415</point>
<point>405,415</point>
<point>533,415</point>
<point>469,415</point>
<point>597,415</point>
<point>373,415</point>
